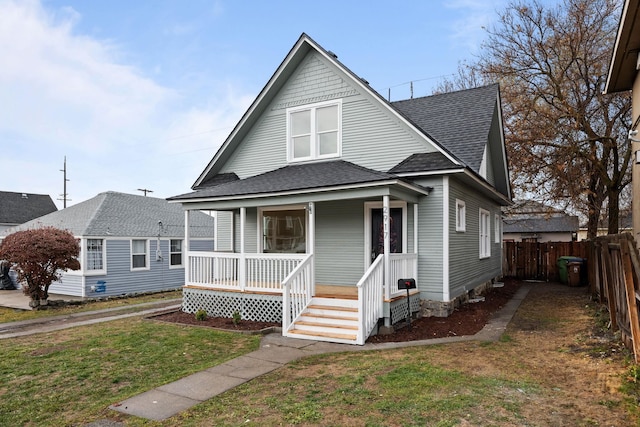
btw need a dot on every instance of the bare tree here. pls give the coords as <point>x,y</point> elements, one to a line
<point>566,140</point>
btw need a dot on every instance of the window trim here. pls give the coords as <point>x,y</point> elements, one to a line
<point>85,263</point>
<point>496,228</point>
<point>314,153</point>
<point>484,233</point>
<point>181,265</point>
<point>461,216</point>
<point>146,259</point>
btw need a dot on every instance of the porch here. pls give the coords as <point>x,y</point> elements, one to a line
<point>280,287</point>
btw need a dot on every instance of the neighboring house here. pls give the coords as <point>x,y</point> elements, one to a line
<point>18,208</point>
<point>623,76</point>
<point>625,225</point>
<point>530,221</point>
<point>129,244</point>
<point>331,194</point>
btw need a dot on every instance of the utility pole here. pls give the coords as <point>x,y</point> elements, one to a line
<point>64,194</point>
<point>145,191</point>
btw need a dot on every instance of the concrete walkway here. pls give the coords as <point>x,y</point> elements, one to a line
<point>276,351</point>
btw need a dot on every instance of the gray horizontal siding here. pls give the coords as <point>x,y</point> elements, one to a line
<point>69,284</point>
<point>339,249</point>
<point>466,269</point>
<point>430,241</point>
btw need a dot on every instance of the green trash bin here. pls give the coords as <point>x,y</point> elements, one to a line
<point>563,267</point>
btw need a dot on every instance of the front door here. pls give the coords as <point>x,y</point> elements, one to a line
<point>377,232</point>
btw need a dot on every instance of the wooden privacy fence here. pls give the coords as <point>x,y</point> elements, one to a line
<point>614,276</point>
<point>537,261</point>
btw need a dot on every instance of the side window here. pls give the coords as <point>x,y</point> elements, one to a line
<point>139,254</point>
<point>461,221</point>
<point>496,228</point>
<point>175,252</point>
<point>95,255</point>
<point>485,246</point>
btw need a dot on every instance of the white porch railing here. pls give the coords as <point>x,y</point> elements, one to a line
<point>370,303</point>
<point>402,266</point>
<point>297,291</point>
<point>240,272</point>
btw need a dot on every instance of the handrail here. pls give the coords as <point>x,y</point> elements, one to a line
<point>370,301</point>
<point>297,291</point>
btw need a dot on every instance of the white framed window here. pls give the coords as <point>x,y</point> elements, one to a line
<point>175,252</point>
<point>496,228</point>
<point>284,230</point>
<point>461,216</point>
<point>139,254</point>
<point>314,131</point>
<point>94,259</point>
<point>483,226</point>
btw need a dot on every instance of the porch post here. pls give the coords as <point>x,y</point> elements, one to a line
<point>312,245</point>
<point>415,239</point>
<point>243,263</point>
<point>187,267</point>
<point>386,215</point>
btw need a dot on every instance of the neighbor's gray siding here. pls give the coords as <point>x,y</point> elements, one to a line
<point>368,129</point>
<point>205,245</point>
<point>121,280</point>
<point>466,269</point>
<point>69,284</point>
<point>430,241</point>
<point>339,249</point>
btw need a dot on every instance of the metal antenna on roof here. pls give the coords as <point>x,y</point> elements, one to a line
<point>411,89</point>
<point>145,191</point>
<point>64,193</point>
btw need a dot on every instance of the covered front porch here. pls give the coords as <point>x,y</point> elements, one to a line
<point>325,261</point>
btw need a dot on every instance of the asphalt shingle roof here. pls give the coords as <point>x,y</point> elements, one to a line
<point>124,215</point>
<point>424,162</point>
<point>18,208</point>
<point>294,177</point>
<point>460,121</point>
<point>541,225</point>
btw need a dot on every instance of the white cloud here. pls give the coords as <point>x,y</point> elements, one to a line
<point>63,93</point>
<point>474,16</point>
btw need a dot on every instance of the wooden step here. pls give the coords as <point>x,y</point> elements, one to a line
<point>333,307</point>
<point>331,316</point>
<point>326,325</point>
<point>346,337</point>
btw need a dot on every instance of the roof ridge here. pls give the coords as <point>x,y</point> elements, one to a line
<point>447,93</point>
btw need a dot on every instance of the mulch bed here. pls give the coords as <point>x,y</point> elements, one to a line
<point>467,319</point>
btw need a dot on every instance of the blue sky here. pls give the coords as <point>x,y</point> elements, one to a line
<point>141,94</point>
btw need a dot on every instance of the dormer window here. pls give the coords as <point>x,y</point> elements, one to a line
<point>314,131</point>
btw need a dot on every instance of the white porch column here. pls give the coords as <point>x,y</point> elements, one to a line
<point>187,267</point>
<point>415,238</point>
<point>242,277</point>
<point>311,233</point>
<point>386,218</point>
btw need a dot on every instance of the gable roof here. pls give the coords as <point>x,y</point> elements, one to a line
<point>460,121</point>
<point>18,208</point>
<point>297,177</point>
<point>296,55</point>
<point>124,215</point>
<point>554,224</point>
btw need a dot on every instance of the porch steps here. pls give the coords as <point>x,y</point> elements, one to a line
<point>328,319</point>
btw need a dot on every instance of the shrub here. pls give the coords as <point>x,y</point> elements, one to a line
<point>201,315</point>
<point>236,318</point>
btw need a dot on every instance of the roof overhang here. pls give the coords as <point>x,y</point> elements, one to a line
<point>396,189</point>
<point>624,59</point>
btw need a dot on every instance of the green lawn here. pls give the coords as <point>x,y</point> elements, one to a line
<point>70,376</point>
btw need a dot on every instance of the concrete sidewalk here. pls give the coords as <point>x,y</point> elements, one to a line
<point>276,351</point>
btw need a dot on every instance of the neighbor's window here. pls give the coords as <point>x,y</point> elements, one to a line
<point>460,215</point>
<point>485,244</point>
<point>284,231</point>
<point>314,132</point>
<point>175,252</point>
<point>95,255</point>
<point>139,254</point>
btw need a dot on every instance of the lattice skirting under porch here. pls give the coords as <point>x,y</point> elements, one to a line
<point>256,307</point>
<point>399,308</point>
